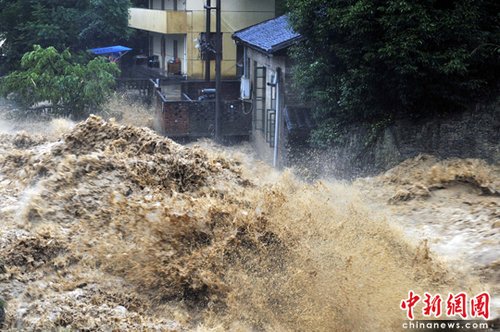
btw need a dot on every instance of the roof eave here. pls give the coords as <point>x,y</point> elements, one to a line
<point>285,44</point>
<point>256,24</point>
<point>252,46</point>
<point>271,51</point>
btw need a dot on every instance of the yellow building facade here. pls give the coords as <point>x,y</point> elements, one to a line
<point>175,27</point>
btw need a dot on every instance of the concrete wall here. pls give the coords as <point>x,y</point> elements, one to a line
<point>160,21</point>
<point>474,133</point>
<point>236,15</point>
<point>264,149</point>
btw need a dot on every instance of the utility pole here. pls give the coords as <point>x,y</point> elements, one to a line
<point>208,8</point>
<point>218,61</point>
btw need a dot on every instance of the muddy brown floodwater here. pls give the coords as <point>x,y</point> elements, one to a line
<point>453,205</point>
<point>111,227</point>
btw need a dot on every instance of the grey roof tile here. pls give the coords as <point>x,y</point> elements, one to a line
<point>269,36</point>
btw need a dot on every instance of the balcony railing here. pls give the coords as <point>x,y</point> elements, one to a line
<point>161,21</point>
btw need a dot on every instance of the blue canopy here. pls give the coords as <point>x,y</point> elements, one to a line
<point>110,50</point>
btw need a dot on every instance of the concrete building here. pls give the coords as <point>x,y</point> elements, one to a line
<point>175,29</point>
<point>279,122</point>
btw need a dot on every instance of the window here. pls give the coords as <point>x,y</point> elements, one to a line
<point>240,61</point>
<point>259,97</point>
<point>271,111</point>
<point>270,126</point>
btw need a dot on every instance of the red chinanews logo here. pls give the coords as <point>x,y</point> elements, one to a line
<point>455,305</point>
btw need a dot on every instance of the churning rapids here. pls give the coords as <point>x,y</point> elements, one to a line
<point>112,227</point>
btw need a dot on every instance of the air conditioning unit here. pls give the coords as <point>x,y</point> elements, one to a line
<point>245,88</point>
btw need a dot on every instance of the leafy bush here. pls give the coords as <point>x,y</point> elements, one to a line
<point>47,75</point>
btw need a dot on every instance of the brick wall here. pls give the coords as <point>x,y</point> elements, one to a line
<point>175,118</point>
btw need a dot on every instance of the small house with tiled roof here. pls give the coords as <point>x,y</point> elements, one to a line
<point>279,122</point>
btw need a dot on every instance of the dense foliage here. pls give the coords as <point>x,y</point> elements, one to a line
<point>49,76</point>
<point>280,6</point>
<point>374,60</point>
<point>74,24</point>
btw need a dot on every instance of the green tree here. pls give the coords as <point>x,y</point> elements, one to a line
<point>374,60</point>
<point>74,24</point>
<point>280,7</point>
<point>47,75</point>
<point>106,22</point>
